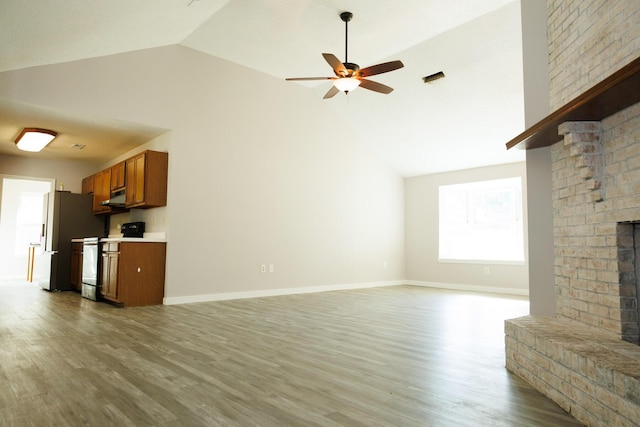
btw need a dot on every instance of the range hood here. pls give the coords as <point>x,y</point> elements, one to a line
<point>116,200</point>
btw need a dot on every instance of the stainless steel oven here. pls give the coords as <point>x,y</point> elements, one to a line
<point>90,257</point>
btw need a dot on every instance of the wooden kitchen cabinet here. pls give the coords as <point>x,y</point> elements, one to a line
<point>146,180</point>
<point>133,273</point>
<point>109,271</point>
<point>75,278</point>
<point>102,182</point>
<point>143,178</point>
<point>117,177</point>
<point>101,191</point>
<point>87,185</point>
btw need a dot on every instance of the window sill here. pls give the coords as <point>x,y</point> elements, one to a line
<point>480,261</point>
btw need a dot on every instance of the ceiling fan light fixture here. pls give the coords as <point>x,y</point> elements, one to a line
<point>34,139</point>
<point>348,75</point>
<point>346,84</point>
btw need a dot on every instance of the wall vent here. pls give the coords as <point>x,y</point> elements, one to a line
<point>432,77</point>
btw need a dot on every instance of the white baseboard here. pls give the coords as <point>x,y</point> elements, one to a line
<point>470,288</point>
<point>341,287</point>
<point>277,292</point>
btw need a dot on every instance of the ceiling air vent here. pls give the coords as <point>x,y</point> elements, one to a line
<point>432,77</point>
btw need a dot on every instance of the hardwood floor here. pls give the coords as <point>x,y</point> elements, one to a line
<point>396,356</point>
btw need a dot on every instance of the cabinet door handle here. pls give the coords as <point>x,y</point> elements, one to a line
<point>138,269</point>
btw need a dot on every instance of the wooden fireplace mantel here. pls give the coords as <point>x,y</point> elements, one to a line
<point>618,91</point>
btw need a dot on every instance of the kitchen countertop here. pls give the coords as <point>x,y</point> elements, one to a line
<point>148,238</point>
<point>134,239</point>
<point>160,237</point>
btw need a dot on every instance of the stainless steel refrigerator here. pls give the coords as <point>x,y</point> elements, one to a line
<point>72,218</point>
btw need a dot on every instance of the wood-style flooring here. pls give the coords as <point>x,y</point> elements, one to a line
<point>395,356</point>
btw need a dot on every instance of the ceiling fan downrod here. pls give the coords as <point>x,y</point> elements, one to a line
<point>346,17</point>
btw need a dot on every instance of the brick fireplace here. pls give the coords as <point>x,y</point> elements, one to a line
<point>596,198</point>
<point>587,357</point>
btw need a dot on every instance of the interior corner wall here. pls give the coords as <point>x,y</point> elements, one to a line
<point>421,236</point>
<point>256,174</point>
<point>535,57</point>
<point>542,294</point>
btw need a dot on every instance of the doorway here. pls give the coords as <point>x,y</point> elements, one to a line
<point>24,207</point>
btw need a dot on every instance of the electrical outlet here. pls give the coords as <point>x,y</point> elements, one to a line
<point>486,270</point>
<point>263,268</point>
<point>271,268</point>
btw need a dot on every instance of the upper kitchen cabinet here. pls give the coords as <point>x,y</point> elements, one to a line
<point>87,185</point>
<point>117,177</point>
<point>140,180</point>
<point>146,180</point>
<point>101,191</point>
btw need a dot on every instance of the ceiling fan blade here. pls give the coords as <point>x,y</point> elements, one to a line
<point>338,67</point>
<point>331,92</point>
<point>380,68</point>
<point>307,78</point>
<point>375,86</point>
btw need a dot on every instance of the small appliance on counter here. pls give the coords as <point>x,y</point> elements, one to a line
<point>132,229</point>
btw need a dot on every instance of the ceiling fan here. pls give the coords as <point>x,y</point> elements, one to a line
<point>348,75</point>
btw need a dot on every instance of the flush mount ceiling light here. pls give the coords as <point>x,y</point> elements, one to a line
<point>34,139</point>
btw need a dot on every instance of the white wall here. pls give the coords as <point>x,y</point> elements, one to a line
<point>421,236</point>
<point>68,172</point>
<point>256,173</point>
<point>536,107</point>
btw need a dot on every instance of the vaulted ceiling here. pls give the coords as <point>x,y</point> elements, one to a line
<point>459,122</point>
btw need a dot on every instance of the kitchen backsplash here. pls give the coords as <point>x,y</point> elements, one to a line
<point>155,220</point>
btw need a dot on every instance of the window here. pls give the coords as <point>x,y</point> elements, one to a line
<point>481,222</point>
<point>22,213</point>
<point>28,221</point>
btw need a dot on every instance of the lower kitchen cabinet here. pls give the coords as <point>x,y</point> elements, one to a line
<point>109,272</point>
<point>133,273</point>
<point>75,278</point>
